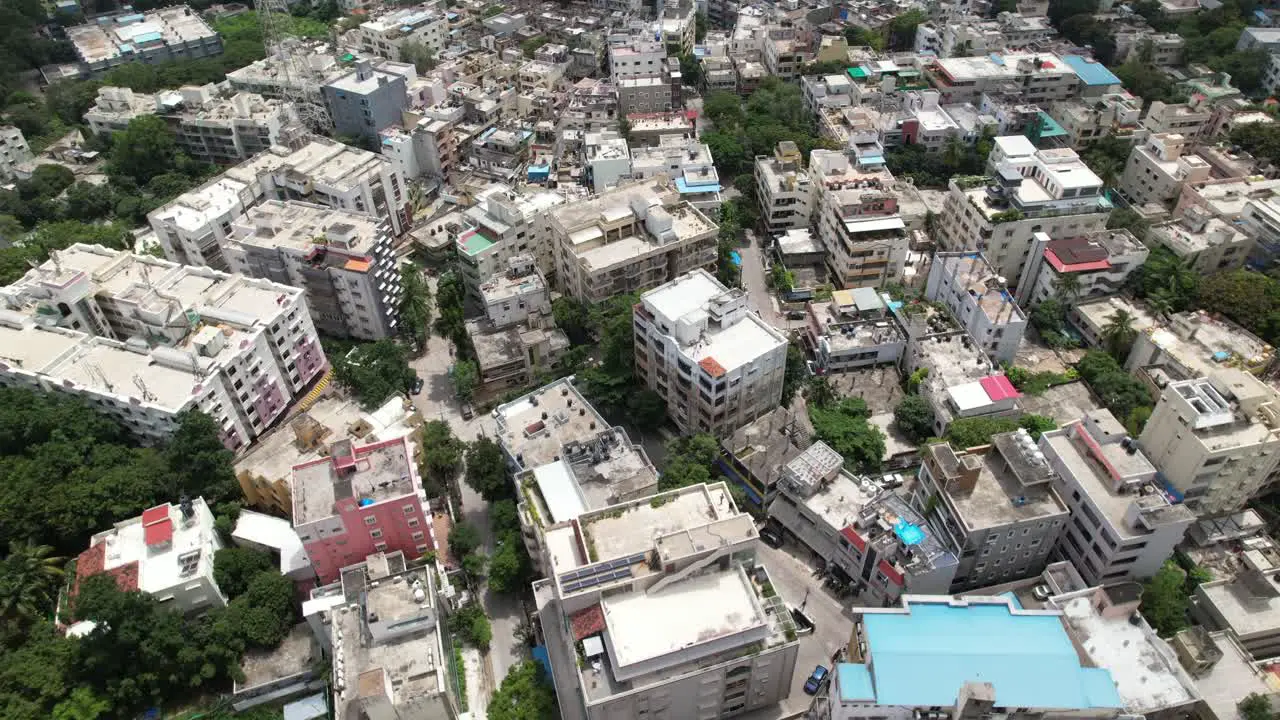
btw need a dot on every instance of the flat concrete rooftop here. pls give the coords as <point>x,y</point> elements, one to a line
<point>379,472</point>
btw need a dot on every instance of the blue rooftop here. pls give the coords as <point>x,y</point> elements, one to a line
<point>685,187</point>
<point>855,683</point>
<point>922,657</point>
<point>1091,72</point>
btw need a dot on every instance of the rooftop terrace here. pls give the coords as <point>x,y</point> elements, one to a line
<point>371,474</point>
<point>1009,487</point>
<point>533,428</point>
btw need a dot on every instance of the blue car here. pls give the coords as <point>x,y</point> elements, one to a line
<point>815,680</point>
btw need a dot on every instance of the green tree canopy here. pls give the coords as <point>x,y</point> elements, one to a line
<point>525,694</point>
<point>1164,604</point>
<point>375,371</point>
<point>977,431</point>
<point>844,425</point>
<point>914,417</point>
<point>487,470</point>
<point>234,568</point>
<point>145,149</point>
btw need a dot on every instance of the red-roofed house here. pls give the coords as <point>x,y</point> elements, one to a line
<point>1093,264</point>
<point>167,553</point>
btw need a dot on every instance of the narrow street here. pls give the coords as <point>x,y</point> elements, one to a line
<point>759,298</point>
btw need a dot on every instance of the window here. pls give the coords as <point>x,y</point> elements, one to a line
<point>418,535</point>
<point>408,509</point>
<point>413,522</point>
<point>370,520</point>
<point>380,547</point>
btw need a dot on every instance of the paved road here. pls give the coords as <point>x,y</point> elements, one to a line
<point>758,295</point>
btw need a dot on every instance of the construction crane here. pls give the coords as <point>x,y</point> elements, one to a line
<point>300,85</point>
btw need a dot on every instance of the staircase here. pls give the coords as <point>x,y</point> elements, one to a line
<point>316,391</point>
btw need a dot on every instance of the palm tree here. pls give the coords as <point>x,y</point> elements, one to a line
<point>1067,287</point>
<point>1118,335</point>
<point>29,581</point>
<point>1108,171</point>
<point>953,154</point>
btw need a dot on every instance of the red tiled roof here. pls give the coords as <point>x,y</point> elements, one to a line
<point>586,623</point>
<point>712,367</point>
<point>157,533</point>
<point>1061,266</point>
<point>854,538</point>
<point>93,561</point>
<point>999,388</point>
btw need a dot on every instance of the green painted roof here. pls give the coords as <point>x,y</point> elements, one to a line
<point>857,73</point>
<point>474,243</point>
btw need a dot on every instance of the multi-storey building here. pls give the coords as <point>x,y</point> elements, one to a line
<point>1089,120</point>
<point>1049,191</point>
<point>206,126</point>
<point>593,106</point>
<point>962,658</point>
<point>1158,168</point>
<point>166,553</point>
<point>1214,439</point>
<point>718,365</point>
<point>365,101</point>
<point>994,505</point>
<point>1188,119</point>
<point>1078,268</point>
<point>144,339</point>
<point>633,57</point>
<point>688,163</point>
<point>1161,49</point>
<point>272,77</point>
<point>875,545</point>
<point>387,33</point>
<point>501,225</point>
<point>430,147</point>
<point>360,500</point>
<point>858,222</point>
<point>979,299</point>
<point>685,560</point>
<point>1244,602</point>
<point>342,260</point>
<point>1123,526</point>
<point>13,150</point>
<point>517,339</point>
<point>500,153</point>
<point>784,188</point>
<point>608,159</point>
<point>853,330</point>
<point>1040,77</point>
<point>630,239</point>
<point>171,33</point>
<point>192,228</point>
<point>1206,243</point>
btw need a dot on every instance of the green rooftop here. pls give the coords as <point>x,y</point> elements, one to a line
<point>473,243</point>
<point>858,73</point>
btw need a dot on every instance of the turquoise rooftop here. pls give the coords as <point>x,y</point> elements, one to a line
<point>1091,72</point>
<point>923,656</point>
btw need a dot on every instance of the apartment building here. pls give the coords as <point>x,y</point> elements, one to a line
<point>1040,77</point>
<point>166,553</point>
<point>171,33</point>
<point>500,153</point>
<point>386,34</point>
<point>365,101</point>
<point>784,57</point>
<point>688,163</point>
<point>1189,119</point>
<point>272,77</point>
<point>360,500</point>
<point>13,151</point>
<point>1079,268</point>
<point>503,224</point>
<point>143,340</point>
<point>381,621</point>
<point>1049,191</point>
<point>207,126</point>
<point>1158,168</point>
<point>964,657</point>
<point>853,330</point>
<point>629,239</point>
<point>1214,439</point>
<point>608,159</point>
<point>876,547</point>
<point>717,364</point>
<point>1089,120</point>
<point>1123,524</point>
<point>193,227</point>
<point>429,147</point>
<point>518,338</point>
<point>1208,244</point>
<point>995,506</point>
<point>682,560</point>
<point>784,189</point>
<point>980,300</point>
<point>1166,49</point>
<point>342,260</point>
<point>1245,603</point>
<point>592,107</point>
<point>857,220</point>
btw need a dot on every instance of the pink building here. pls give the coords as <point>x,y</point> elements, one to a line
<point>357,502</point>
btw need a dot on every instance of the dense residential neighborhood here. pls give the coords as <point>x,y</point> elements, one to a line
<point>623,360</point>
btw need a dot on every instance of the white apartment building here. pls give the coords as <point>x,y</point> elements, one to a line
<point>1088,120</point>
<point>1188,119</point>
<point>857,220</point>
<point>636,58</point>
<point>784,189</point>
<point>717,364</point>
<point>608,159</point>
<point>1245,604</point>
<point>1206,243</point>
<point>980,300</point>
<point>683,562</point>
<point>1158,168</point>
<point>171,33</point>
<point>1050,191</point>
<point>853,330</point>
<point>1215,439</point>
<point>1040,77</point>
<point>995,506</point>
<point>688,163</point>
<point>342,260</point>
<point>206,125</point>
<point>166,553</point>
<point>1123,525</point>
<point>630,239</point>
<point>504,224</point>
<point>428,148</point>
<point>386,33</point>
<point>194,226</point>
<point>144,339</point>
<point>1097,263</point>
<point>13,151</point>
<point>513,296</point>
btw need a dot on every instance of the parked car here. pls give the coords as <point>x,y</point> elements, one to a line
<point>416,387</point>
<point>1041,592</point>
<point>815,680</point>
<point>771,537</point>
<point>468,412</point>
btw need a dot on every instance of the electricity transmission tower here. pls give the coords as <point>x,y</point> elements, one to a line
<point>300,85</point>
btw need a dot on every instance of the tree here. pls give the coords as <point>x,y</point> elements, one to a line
<point>573,316</point>
<point>690,70</point>
<point>234,568</point>
<point>1118,334</point>
<point>525,694</point>
<point>419,55</point>
<point>144,150</point>
<point>1164,604</point>
<point>29,579</point>
<point>441,453</point>
<point>977,431</point>
<point>464,539</point>
<point>1122,394</point>
<point>646,409</point>
<point>466,375</point>
<point>82,704</point>
<point>1256,707</point>
<point>264,614</point>
<point>699,27</point>
<point>794,373</point>
<point>197,456</point>
<point>509,568</point>
<point>845,427</point>
<point>415,306</point>
<point>375,371</point>
<point>1248,298</point>
<point>821,394</point>
<point>914,417</point>
<point>504,517</point>
<point>690,461</point>
<point>1066,287</point>
<point>89,202</point>
<point>487,470</point>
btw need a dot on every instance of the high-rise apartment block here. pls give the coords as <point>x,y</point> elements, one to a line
<point>386,34</point>
<point>857,220</point>
<point>1159,167</point>
<point>784,189</point>
<point>144,339</point>
<point>979,299</point>
<point>365,100</point>
<point>717,364</point>
<point>502,224</point>
<point>343,261</point>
